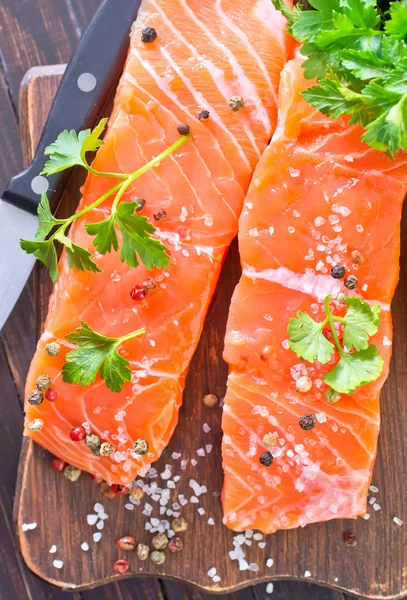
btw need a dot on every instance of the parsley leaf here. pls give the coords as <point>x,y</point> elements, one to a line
<point>359,57</point>
<point>355,369</point>
<point>96,353</point>
<point>78,257</point>
<point>45,252</point>
<point>105,232</point>
<point>361,322</point>
<point>46,220</point>
<point>307,339</point>
<point>70,148</point>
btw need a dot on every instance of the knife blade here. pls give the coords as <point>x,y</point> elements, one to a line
<point>85,88</point>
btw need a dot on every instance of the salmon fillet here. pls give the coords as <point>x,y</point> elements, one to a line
<point>317,196</point>
<point>205,53</point>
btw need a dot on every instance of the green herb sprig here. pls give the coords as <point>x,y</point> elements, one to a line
<point>95,354</point>
<point>359,56</point>
<point>361,363</point>
<point>69,150</point>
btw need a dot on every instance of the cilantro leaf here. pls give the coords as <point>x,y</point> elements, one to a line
<point>96,353</point>
<point>45,252</point>
<point>46,220</point>
<point>136,240</point>
<point>361,322</point>
<point>106,237</point>
<point>307,339</point>
<point>70,148</point>
<point>354,370</point>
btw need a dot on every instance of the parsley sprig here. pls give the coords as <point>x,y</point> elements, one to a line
<point>359,56</point>
<point>95,354</point>
<point>360,363</point>
<point>70,150</point>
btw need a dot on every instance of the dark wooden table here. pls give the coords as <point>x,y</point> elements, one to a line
<point>37,32</point>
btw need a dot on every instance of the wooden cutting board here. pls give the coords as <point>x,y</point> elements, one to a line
<point>375,568</point>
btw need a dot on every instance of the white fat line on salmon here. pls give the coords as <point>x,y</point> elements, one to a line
<point>199,58</point>
<point>239,33</point>
<point>246,85</point>
<point>318,286</point>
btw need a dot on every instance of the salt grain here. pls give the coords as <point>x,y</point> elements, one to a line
<point>253,567</point>
<point>261,545</point>
<point>201,510</point>
<point>85,546</point>
<point>206,428</point>
<point>307,574</point>
<point>99,508</point>
<point>101,524</point>
<point>243,565</point>
<point>373,489</point>
<point>176,455</point>
<point>270,588</point>
<point>366,517</point>
<point>128,505</point>
<point>91,519</point>
<point>398,521</point>
<point>211,521</point>
<point>53,549</point>
<point>200,452</point>
<point>216,579</point>
<point>58,564</point>
<point>376,506</point>
<point>194,462</point>
<point>28,526</point>
<point>97,536</point>
<point>269,562</point>
<point>212,572</point>
<point>208,448</point>
<point>193,500</point>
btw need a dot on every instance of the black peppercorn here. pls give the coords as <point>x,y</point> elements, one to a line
<point>160,215</point>
<point>351,282</point>
<point>203,115</point>
<point>35,398</point>
<point>266,459</point>
<point>148,35</point>
<point>140,203</point>
<point>338,272</point>
<point>307,422</point>
<point>183,129</point>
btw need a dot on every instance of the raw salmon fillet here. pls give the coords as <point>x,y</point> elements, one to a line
<point>205,53</point>
<point>318,194</point>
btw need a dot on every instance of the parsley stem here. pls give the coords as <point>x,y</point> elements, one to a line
<point>130,336</point>
<point>154,162</point>
<point>331,321</point>
<point>104,174</point>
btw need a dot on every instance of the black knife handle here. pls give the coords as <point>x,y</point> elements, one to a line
<point>88,80</point>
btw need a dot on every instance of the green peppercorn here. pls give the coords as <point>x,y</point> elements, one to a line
<point>93,442</point>
<point>158,557</point>
<point>43,383</point>
<point>179,524</point>
<point>159,541</point>
<point>106,449</point>
<point>236,103</point>
<point>72,473</point>
<point>36,425</point>
<point>332,396</point>
<point>141,447</point>
<point>52,349</point>
<point>143,551</point>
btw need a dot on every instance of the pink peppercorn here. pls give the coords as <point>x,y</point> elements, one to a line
<point>78,434</point>
<point>121,566</point>
<point>120,490</point>
<point>176,544</point>
<point>51,395</point>
<point>57,464</point>
<point>138,292</point>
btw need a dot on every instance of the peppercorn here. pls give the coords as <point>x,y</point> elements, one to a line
<point>341,297</point>
<point>36,425</point>
<point>327,333</point>
<point>266,459</point>
<point>140,203</point>
<point>158,557</point>
<point>236,103</point>
<point>204,115</point>
<point>107,490</point>
<point>121,566</point>
<point>351,282</point>
<point>96,478</point>
<point>176,544</point>
<point>270,440</point>
<point>159,541</point>
<point>332,396</point>
<point>43,383</point>
<point>143,551</point>
<point>106,449</point>
<point>72,473</point>
<point>126,543</point>
<point>303,384</point>
<point>51,395</point>
<point>210,400</point>
<point>149,286</point>
<point>35,398</point>
<point>138,293</point>
<point>179,525</point>
<point>57,464</point>
<point>93,442</point>
<point>136,493</point>
<point>357,257</point>
<point>141,447</point>
<point>78,434</point>
<point>307,422</point>
<point>52,349</point>
<point>160,215</point>
<point>183,129</point>
<point>338,271</point>
<point>350,539</point>
<point>148,35</point>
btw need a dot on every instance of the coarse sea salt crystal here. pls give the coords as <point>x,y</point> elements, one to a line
<point>58,564</point>
<point>97,536</point>
<point>194,500</point>
<point>171,485</point>
<point>294,172</point>
<point>285,344</point>
<point>201,510</point>
<point>373,489</point>
<point>200,452</point>
<point>386,341</point>
<point>366,517</point>
<point>176,455</point>
<point>398,521</point>
<point>320,417</point>
<point>270,588</point>
<point>101,524</point>
<point>261,545</point>
<point>99,508</point>
<point>208,448</point>
<point>258,537</point>
<point>177,478</point>
<point>249,534</point>
<point>128,505</point>
<point>269,562</point>
<point>243,565</point>
<point>307,573</point>
<point>194,462</point>
<point>212,572</point>
<point>91,519</point>
<point>271,230</point>
<point>211,521</point>
<point>253,567</point>
<point>376,506</point>
<point>85,546</point>
<point>216,579</point>
<point>53,549</point>
<point>372,500</point>
<point>28,526</point>
<point>206,428</point>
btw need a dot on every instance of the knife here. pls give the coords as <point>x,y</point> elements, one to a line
<point>89,78</point>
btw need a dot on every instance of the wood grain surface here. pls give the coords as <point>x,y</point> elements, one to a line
<point>37,32</point>
<point>373,569</point>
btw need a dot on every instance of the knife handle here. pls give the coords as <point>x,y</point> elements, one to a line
<point>85,88</point>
